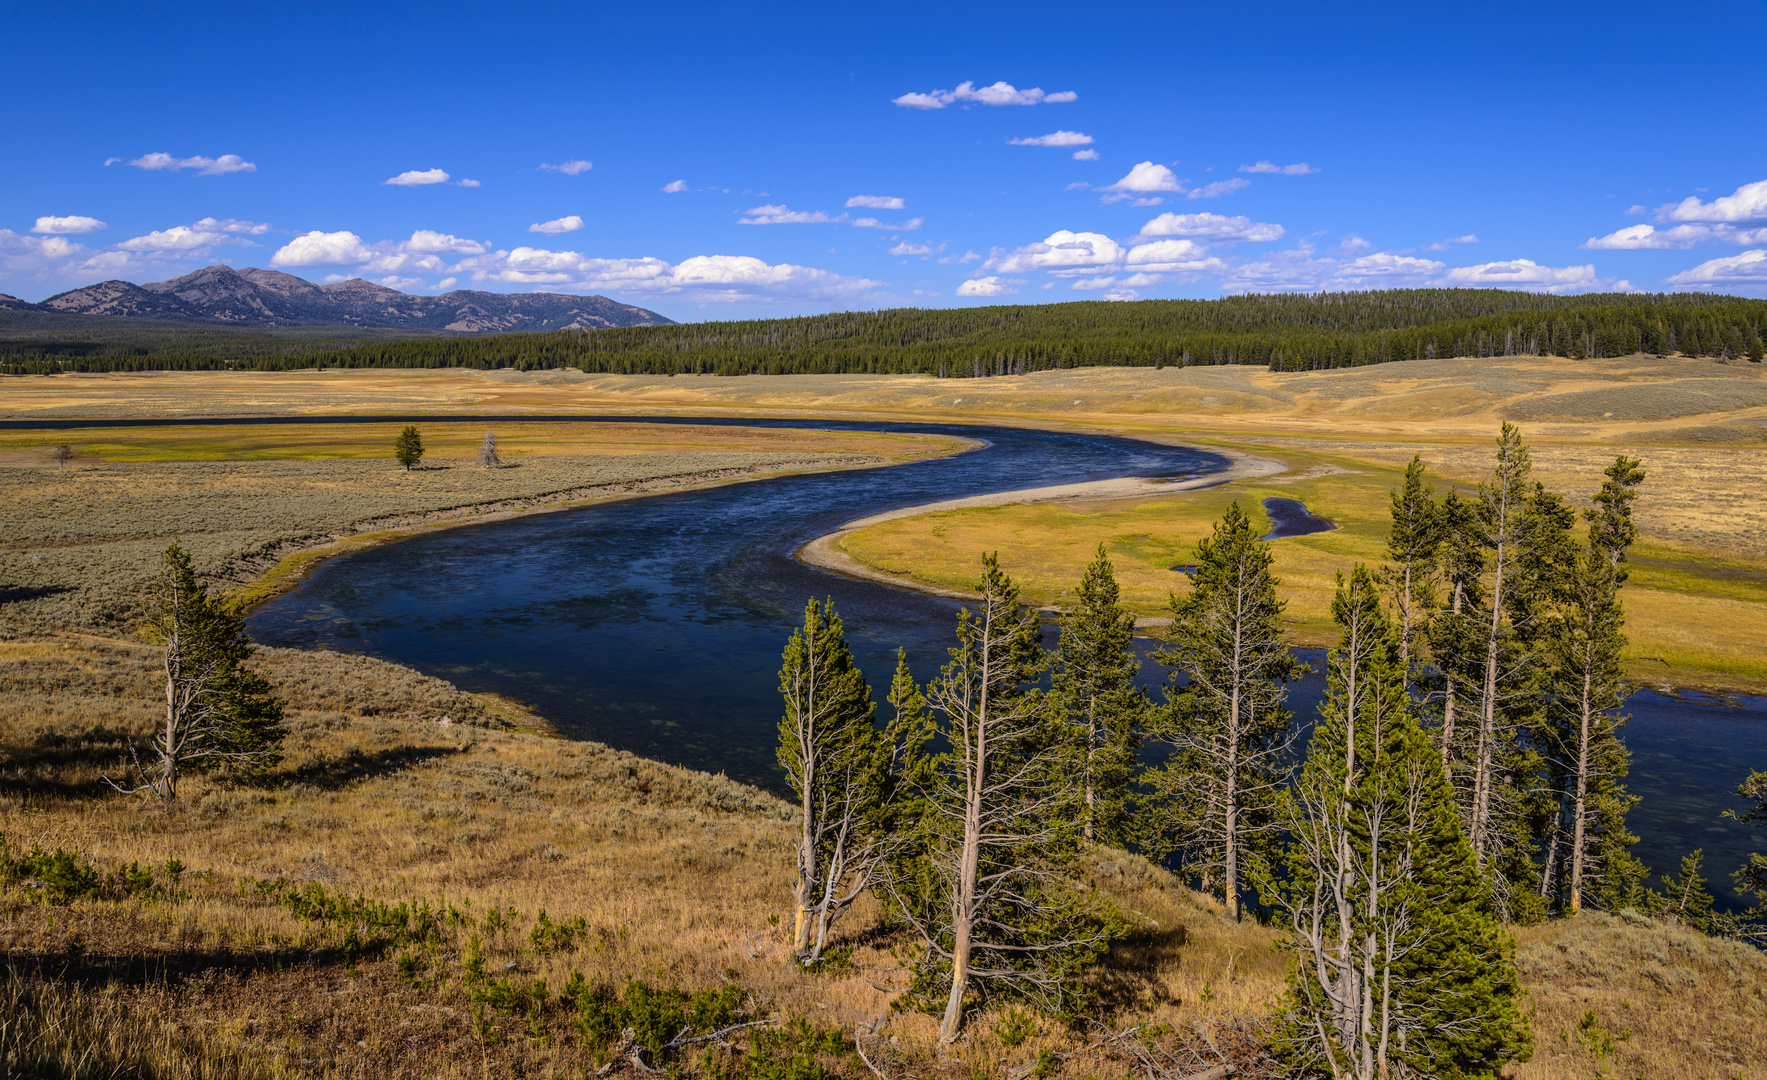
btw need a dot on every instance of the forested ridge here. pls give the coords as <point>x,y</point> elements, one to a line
<point>1286,332</point>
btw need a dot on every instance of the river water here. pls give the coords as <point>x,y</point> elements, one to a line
<point>655,624</point>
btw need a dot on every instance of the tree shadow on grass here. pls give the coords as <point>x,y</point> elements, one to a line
<point>352,766</point>
<point>1127,977</point>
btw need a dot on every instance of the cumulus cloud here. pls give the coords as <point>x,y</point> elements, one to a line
<point>1385,270</point>
<point>1526,274</point>
<point>1302,268</point>
<point>905,248</point>
<point>1054,138</point>
<point>675,187</point>
<point>423,240</point>
<point>1001,93</point>
<point>72,224</point>
<point>24,254</point>
<point>417,178</point>
<point>901,226</point>
<point>1748,269</point>
<point>1063,250</point>
<point>1085,155</point>
<point>1218,228</point>
<point>877,202</point>
<point>469,183</point>
<point>177,238</point>
<point>1299,168</point>
<point>1444,245</point>
<point>957,260</point>
<point>1217,189</point>
<point>1650,238</point>
<point>1747,203</point>
<point>1172,257</point>
<point>705,278</point>
<point>557,225</point>
<point>1145,178</point>
<point>986,286</point>
<point>323,249</point>
<point>569,168</point>
<point>204,166</point>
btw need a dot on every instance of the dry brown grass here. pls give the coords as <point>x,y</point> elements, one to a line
<point>672,871</point>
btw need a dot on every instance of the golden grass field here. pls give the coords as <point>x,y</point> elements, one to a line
<point>675,873</point>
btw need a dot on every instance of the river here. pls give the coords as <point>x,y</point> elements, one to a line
<point>655,625</point>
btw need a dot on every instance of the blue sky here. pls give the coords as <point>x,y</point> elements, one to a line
<point>715,161</point>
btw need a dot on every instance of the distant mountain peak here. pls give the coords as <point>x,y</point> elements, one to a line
<point>255,297</point>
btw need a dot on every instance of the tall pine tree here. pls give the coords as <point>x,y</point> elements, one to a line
<point>1225,724</point>
<point>1413,542</point>
<point>1094,687</point>
<point>1402,967</point>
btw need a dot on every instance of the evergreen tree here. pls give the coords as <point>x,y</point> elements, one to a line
<point>408,447</point>
<point>1402,966</point>
<point>1751,876</point>
<point>217,712</point>
<point>1685,898</point>
<point>836,761</point>
<point>1226,724</point>
<point>1588,844</point>
<point>1412,543</point>
<point>1094,686</point>
<point>989,894</point>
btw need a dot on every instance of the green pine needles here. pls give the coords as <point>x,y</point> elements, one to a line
<point>217,712</point>
<point>408,447</point>
<point>1401,964</point>
<point>1094,689</point>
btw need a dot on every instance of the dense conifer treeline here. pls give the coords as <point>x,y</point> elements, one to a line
<point>1286,332</point>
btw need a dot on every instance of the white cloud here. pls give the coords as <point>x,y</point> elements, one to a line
<point>569,168</point>
<point>877,202</point>
<point>204,166</point>
<point>1650,238</point>
<point>417,178</point>
<point>557,225</point>
<point>675,187</point>
<point>233,225</point>
<point>905,248</point>
<point>1063,250</point>
<point>958,260</point>
<point>1217,189</point>
<point>1054,138</point>
<point>1444,245</point>
<point>177,238</point>
<point>1748,203</point>
<point>705,278</point>
<point>1526,274</point>
<point>1148,177</point>
<point>1085,155</point>
<point>1216,227</point>
<point>445,284</point>
<point>1095,282</point>
<point>1351,243</point>
<point>1636,209</point>
<point>903,226</point>
<point>423,240</point>
<point>1299,168</point>
<point>73,224</point>
<point>1001,93</point>
<point>35,254</point>
<point>783,215</point>
<point>986,286</point>
<point>469,183</point>
<point>323,249</point>
<point>1746,269</point>
<point>403,284</point>
<point>1173,257</point>
<point>404,262</point>
<point>1385,270</point>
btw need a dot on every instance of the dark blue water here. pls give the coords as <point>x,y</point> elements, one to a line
<point>1290,517</point>
<point>655,625</point>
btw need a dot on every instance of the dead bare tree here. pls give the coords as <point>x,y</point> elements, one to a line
<point>216,712</point>
<point>61,455</point>
<point>488,451</point>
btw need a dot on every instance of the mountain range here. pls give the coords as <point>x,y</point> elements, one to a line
<point>253,297</point>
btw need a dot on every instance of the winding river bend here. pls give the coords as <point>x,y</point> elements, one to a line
<point>655,625</point>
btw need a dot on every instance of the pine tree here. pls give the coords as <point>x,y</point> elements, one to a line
<point>1751,876</point>
<point>408,447</point>
<point>1094,686</point>
<point>1685,898</point>
<point>1226,724</point>
<point>1402,966</point>
<point>1588,844</point>
<point>836,761</point>
<point>989,894</point>
<point>1412,543</point>
<point>217,712</point>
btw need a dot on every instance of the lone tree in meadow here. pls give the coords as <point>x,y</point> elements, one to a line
<point>1094,686</point>
<point>1226,723</point>
<point>488,451</point>
<point>408,447</point>
<point>988,891</point>
<point>837,762</point>
<point>1402,967</point>
<point>61,455</point>
<point>217,712</point>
